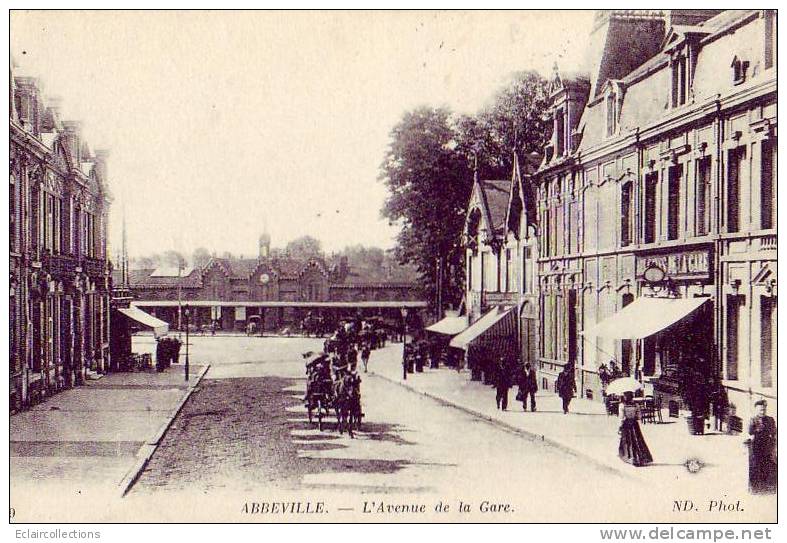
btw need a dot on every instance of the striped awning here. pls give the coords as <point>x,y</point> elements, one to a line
<point>644,317</point>
<point>497,325</point>
<point>147,320</point>
<point>449,326</point>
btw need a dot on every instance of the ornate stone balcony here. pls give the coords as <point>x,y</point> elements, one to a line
<point>94,267</point>
<point>60,265</point>
<point>768,243</point>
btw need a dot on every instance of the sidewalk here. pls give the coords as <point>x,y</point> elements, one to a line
<point>587,432</point>
<point>96,438</point>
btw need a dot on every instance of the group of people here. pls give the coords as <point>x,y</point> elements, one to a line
<point>167,352</point>
<point>353,340</point>
<point>506,375</point>
<point>337,364</point>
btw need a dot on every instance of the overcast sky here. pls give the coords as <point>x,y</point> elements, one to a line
<point>222,123</point>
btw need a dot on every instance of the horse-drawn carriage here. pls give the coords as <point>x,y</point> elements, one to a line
<point>340,395</point>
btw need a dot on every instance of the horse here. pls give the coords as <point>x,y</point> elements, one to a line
<point>348,403</point>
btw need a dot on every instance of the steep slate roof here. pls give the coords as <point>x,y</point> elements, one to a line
<point>645,94</point>
<point>142,278</point>
<point>241,268</point>
<point>394,276</point>
<point>496,193</point>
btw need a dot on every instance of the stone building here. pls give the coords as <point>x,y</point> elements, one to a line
<point>276,291</point>
<point>500,243</point>
<point>59,281</point>
<point>658,191</point>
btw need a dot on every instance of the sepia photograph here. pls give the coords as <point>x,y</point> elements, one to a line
<point>439,266</point>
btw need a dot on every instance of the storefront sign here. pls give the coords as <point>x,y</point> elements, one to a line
<point>683,265</point>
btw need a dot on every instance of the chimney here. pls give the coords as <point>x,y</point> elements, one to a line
<point>56,104</point>
<point>27,87</point>
<point>620,41</point>
<point>71,135</point>
<point>101,164</point>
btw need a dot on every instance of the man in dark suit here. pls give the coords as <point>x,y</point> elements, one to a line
<point>529,387</point>
<point>503,383</point>
<point>763,466</point>
<point>566,387</point>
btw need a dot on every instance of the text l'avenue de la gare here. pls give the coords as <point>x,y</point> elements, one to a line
<point>375,507</point>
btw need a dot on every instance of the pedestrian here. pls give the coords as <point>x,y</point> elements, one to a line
<point>719,405</point>
<point>160,350</point>
<point>365,352</point>
<point>405,360</point>
<point>632,447</point>
<point>566,387</point>
<point>763,466</point>
<point>503,384</point>
<point>528,387</point>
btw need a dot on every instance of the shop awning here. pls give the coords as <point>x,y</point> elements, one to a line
<point>158,326</point>
<point>644,317</point>
<point>449,326</point>
<point>484,325</point>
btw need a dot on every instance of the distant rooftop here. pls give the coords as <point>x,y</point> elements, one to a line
<point>171,271</point>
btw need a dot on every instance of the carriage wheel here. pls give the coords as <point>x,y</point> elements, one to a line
<point>319,415</point>
<point>309,408</point>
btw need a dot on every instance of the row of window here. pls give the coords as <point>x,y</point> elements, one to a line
<point>56,225</point>
<point>499,274</point>
<point>738,337</point>
<point>667,199</point>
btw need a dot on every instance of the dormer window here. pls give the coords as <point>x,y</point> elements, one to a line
<point>739,68</point>
<point>680,80</point>
<point>560,132</point>
<point>612,103</point>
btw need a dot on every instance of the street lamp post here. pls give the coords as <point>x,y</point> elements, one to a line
<point>187,342</point>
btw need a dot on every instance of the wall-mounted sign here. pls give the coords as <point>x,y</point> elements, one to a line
<point>693,264</point>
<point>653,274</point>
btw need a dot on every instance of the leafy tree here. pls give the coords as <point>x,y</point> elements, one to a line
<point>200,257</point>
<point>305,247</point>
<point>145,262</point>
<point>429,184</point>
<point>428,170</point>
<point>514,119</point>
<point>175,259</point>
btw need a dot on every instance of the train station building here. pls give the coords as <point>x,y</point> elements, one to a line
<point>274,291</point>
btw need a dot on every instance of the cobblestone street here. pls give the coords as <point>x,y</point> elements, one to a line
<point>250,436</point>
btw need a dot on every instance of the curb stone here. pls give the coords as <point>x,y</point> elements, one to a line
<point>533,436</point>
<point>146,451</point>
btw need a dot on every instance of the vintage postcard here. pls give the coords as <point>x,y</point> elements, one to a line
<point>393,266</point>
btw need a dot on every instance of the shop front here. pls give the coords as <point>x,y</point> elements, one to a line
<point>488,339</point>
<point>667,333</point>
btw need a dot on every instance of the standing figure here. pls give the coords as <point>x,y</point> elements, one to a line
<point>160,354</point>
<point>566,387</point>
<point>763,464</point>
<point>503,384</point>
<point>365,352</point>
<point>529,387</point>
<point>632,448</point>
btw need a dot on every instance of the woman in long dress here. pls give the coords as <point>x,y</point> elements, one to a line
<point>632,448</point>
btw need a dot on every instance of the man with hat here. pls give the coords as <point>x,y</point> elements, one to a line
<point>762,451</point>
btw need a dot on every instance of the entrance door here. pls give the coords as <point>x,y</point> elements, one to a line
<point>572,327</point>
<point>625,348</point>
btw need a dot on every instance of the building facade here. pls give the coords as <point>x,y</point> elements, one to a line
<point>663,159</point>
<point>275,291</point>
<point>59,272</point>
<point>500,258</point>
